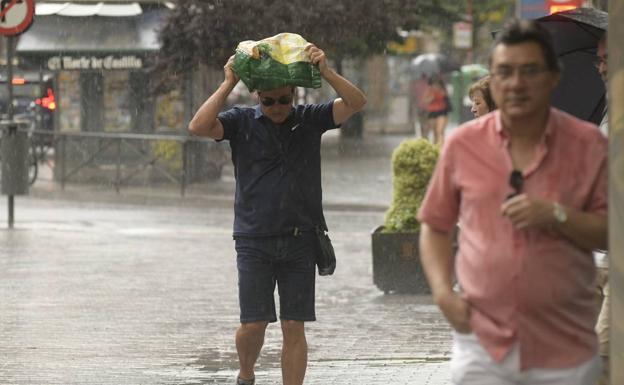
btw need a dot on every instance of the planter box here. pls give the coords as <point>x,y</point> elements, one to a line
<point>396,263</point>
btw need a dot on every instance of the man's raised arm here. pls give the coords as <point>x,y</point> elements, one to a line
<point>205,122</point>
<point>351,100</point>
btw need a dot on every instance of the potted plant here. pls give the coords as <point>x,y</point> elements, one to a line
<point>396,257</point>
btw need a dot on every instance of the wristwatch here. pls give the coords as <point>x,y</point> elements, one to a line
<point>561,216</point>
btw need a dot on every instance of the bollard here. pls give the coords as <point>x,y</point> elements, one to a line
<point>14,153</point>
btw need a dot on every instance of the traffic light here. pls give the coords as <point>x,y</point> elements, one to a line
<point>47,101</point>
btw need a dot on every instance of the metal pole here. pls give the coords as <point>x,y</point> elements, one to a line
<point>469,8</point>
<point>63,145</point>
<point>10,112</point>
<point>11,216</point>
<point>42,93</point>
<point>10,77</point>
<point>118,167</point>
<point>184,168</point>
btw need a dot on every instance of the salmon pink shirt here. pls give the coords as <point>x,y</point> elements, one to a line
<point>533,287</point>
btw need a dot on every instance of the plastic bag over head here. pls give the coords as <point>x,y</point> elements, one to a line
<point>275,62</point>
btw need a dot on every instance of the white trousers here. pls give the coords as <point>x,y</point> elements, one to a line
<point>471,364</point>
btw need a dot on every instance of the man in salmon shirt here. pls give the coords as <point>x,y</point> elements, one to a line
<point>528,185</point>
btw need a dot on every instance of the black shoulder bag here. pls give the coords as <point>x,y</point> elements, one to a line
<point>325,256</point>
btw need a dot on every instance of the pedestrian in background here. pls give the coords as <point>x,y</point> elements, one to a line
<point>278,205</point>
<point>419,107</point>
<point>481,97</point>
<point>600,257</point>
<point>528,183</point>
<point>437,101</point>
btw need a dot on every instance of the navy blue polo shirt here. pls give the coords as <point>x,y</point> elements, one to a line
<point>277,168</point>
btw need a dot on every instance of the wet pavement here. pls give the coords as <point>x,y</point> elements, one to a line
<point>140,288</point>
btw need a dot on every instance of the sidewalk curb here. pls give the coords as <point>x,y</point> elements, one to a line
<point>166,197</point>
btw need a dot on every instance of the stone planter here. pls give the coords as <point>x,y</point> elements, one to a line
<point>396,263</point>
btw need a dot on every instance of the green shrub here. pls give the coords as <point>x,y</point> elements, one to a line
<point>413,162</point>
<point>169,154</point>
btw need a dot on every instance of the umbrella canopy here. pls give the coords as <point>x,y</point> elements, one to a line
<point>427,64</point>
<point>430,64</point>
<point>576,33</point>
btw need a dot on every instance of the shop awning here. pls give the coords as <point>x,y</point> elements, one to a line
<point>92,29</point>
<point>81,10</point>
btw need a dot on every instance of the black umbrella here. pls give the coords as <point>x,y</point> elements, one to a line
<point>576,34</point>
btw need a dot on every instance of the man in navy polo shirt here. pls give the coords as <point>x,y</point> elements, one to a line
<point>277,163</point>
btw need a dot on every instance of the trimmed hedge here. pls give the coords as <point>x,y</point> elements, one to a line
<point>413,162</point>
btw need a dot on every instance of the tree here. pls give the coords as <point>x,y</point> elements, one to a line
<point>200,31</point>
<point>207,31</point>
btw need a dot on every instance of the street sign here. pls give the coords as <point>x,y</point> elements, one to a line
<point>16,16</point>
<point>555,6</point>
<point>533,9</point>
<point>462,35</point>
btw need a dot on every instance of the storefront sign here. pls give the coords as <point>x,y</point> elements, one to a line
<point>111,62</point>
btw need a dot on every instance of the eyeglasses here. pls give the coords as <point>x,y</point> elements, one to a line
<point>516,180</point>
<point>526,72</point>
<point>284,100</point>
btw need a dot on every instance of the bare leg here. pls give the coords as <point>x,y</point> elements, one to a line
<point>427,128</point>
<point>440,125</point>
<point>249,341</point>
<point>422,124</point>
<point>434,128</point>
<point>294,353</point>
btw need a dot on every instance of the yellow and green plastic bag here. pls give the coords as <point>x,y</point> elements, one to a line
<point>275,62</point>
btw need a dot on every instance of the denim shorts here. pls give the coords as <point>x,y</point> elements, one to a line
<point>289,262</point>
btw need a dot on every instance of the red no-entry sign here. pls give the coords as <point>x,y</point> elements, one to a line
<point>16,16</point>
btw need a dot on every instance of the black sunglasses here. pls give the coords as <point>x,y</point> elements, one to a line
<point>267,101</point>
<point>515,181</point>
